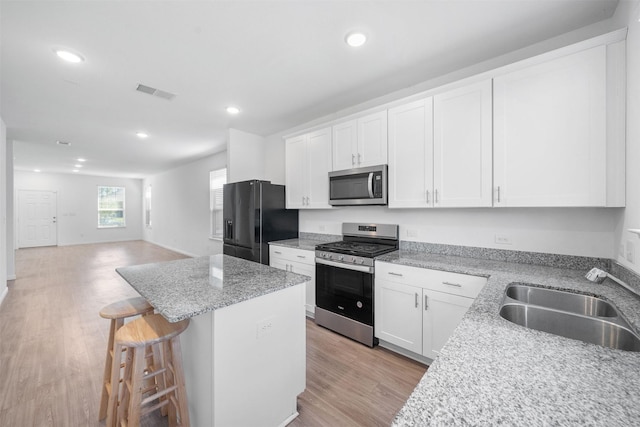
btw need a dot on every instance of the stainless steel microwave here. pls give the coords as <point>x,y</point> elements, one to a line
<point>361,186</point>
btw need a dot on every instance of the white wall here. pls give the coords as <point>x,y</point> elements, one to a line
<point>628,14</point>
<point>11,238</point>
<point>3,210</point>
<point>77,205</point>
<point>573,231</point>
<point>180,208</point>
<point>245,156</point>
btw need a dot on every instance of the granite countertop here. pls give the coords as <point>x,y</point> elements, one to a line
<point>185,288</point>
<point>306,243</point>
<point>492,371</point>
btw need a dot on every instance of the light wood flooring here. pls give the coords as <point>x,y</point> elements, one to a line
<point>52,347</point>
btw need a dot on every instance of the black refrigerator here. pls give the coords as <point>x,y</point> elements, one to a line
<point>254,214</point>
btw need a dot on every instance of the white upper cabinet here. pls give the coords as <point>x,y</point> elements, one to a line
<point>411,155</point>
<point>556,141</point>
<point>462,143</point>
<point>307,163</point>
<point>360,143</point>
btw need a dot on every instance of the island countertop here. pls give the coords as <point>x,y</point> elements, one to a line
<point>188,287</point>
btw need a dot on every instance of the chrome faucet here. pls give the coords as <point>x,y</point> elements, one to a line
<point>597,276</point>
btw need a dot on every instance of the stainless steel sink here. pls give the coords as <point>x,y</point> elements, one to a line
<point>560,300</point>
<point>568,314</point>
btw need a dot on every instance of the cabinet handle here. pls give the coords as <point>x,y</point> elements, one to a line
<point>359,158</point>
<point>416,300</point>
<point>307,200</point>
<point>436,196</point>
<point>302,256</point>
<point>426,302</point>
<point>498,194</point>
<point>277,252</point>
<point>427,196</point>
<point>353,159</point>
<point>395,274</point>
<point>457,285</point>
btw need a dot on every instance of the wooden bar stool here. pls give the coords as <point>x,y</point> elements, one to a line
<point>126,408</point>
<point>117,312</point>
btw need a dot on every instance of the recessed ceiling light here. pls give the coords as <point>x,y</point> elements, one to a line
<point>36,170</point>
<point>75,170</point>
<point>141,135</point>
<point>233,110</point>
<point>355,39</point>
<point>77,166</point>
<point>69,56</point>
<point>80,159</point>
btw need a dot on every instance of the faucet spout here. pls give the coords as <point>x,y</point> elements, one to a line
<point>598,276</point>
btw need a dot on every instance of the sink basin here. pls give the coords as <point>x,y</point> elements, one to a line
<point>570,315</point>
<point>561,300</point>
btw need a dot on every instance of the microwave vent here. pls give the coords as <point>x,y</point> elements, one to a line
<point>155,92</point>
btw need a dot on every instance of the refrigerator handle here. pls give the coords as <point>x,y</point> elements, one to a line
<point>228,230</point>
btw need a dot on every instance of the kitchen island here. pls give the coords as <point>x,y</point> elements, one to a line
<point>244,350</point>
<point>494,372</point>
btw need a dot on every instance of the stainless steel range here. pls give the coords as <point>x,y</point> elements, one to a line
<point>344,279</point>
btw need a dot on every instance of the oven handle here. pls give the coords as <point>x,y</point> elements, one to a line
<point>361,268</point>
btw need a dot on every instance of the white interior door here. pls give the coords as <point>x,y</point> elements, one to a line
<point>37,218</point>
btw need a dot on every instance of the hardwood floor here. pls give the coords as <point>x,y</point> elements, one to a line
<point>52,347</point>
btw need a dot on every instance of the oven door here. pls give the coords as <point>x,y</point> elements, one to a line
<point>345,289</point>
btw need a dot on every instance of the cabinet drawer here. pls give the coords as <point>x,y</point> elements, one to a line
<point>292,254</point>
<point>442,281</point>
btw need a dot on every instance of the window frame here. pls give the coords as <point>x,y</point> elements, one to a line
<point>219,177</point>
<point>123,209</point>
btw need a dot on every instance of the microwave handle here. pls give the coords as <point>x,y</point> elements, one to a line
<point>371,185</point>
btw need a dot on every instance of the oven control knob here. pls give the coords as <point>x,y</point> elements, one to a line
<point>324,255</point>
<point>341,258</point>
<point>361,261</point>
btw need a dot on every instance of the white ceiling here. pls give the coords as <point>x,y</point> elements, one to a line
<point>283,62</point>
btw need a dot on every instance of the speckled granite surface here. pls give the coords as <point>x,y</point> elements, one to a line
<point>494,372</point>
<point>188,287</point>
<point>308,244</point>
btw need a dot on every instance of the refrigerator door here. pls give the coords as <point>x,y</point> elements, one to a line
<point>239,214</point>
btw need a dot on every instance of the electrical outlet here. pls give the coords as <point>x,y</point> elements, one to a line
<point>264,328</point>
<point>503,239</point>
<point>631,252</point>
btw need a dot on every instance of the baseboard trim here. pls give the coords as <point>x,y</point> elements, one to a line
<point>4,294</point>
<point>173,249</point>
<point>410,354</point>
<point>12,277</point>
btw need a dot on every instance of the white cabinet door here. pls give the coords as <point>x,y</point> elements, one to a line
<point>295,171</point>
<point>462,144</point>
<point>372,140</point>
<point>307,164</point>
<point>318,166</point>
<point>307,270</point>
<point>550,132</point>
<point>345,145</point>
<point>442,315</point>
<point>298,261</point>
<point>411,155</point>
<point>398,314</point>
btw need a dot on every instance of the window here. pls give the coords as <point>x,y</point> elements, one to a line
<point>111,207</point>
<point>217,179</point>
<point>147,207</point>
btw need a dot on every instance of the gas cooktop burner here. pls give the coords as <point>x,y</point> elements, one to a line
<point>356,248</point>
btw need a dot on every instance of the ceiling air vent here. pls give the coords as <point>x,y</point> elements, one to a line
<point>63,143</point>
<point>155,92</point>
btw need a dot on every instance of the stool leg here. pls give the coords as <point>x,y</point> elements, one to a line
<point>158,363</point>
<point>181,391</point>
<point>112,404</point>
<point>104,400</point>
<point>136,382</point>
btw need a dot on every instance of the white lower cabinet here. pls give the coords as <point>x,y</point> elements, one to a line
<point>418,309</point>
<point>298,261</point>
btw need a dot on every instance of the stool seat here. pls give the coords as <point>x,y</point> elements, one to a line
<point>149,330</point>
<point>126,308</point>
